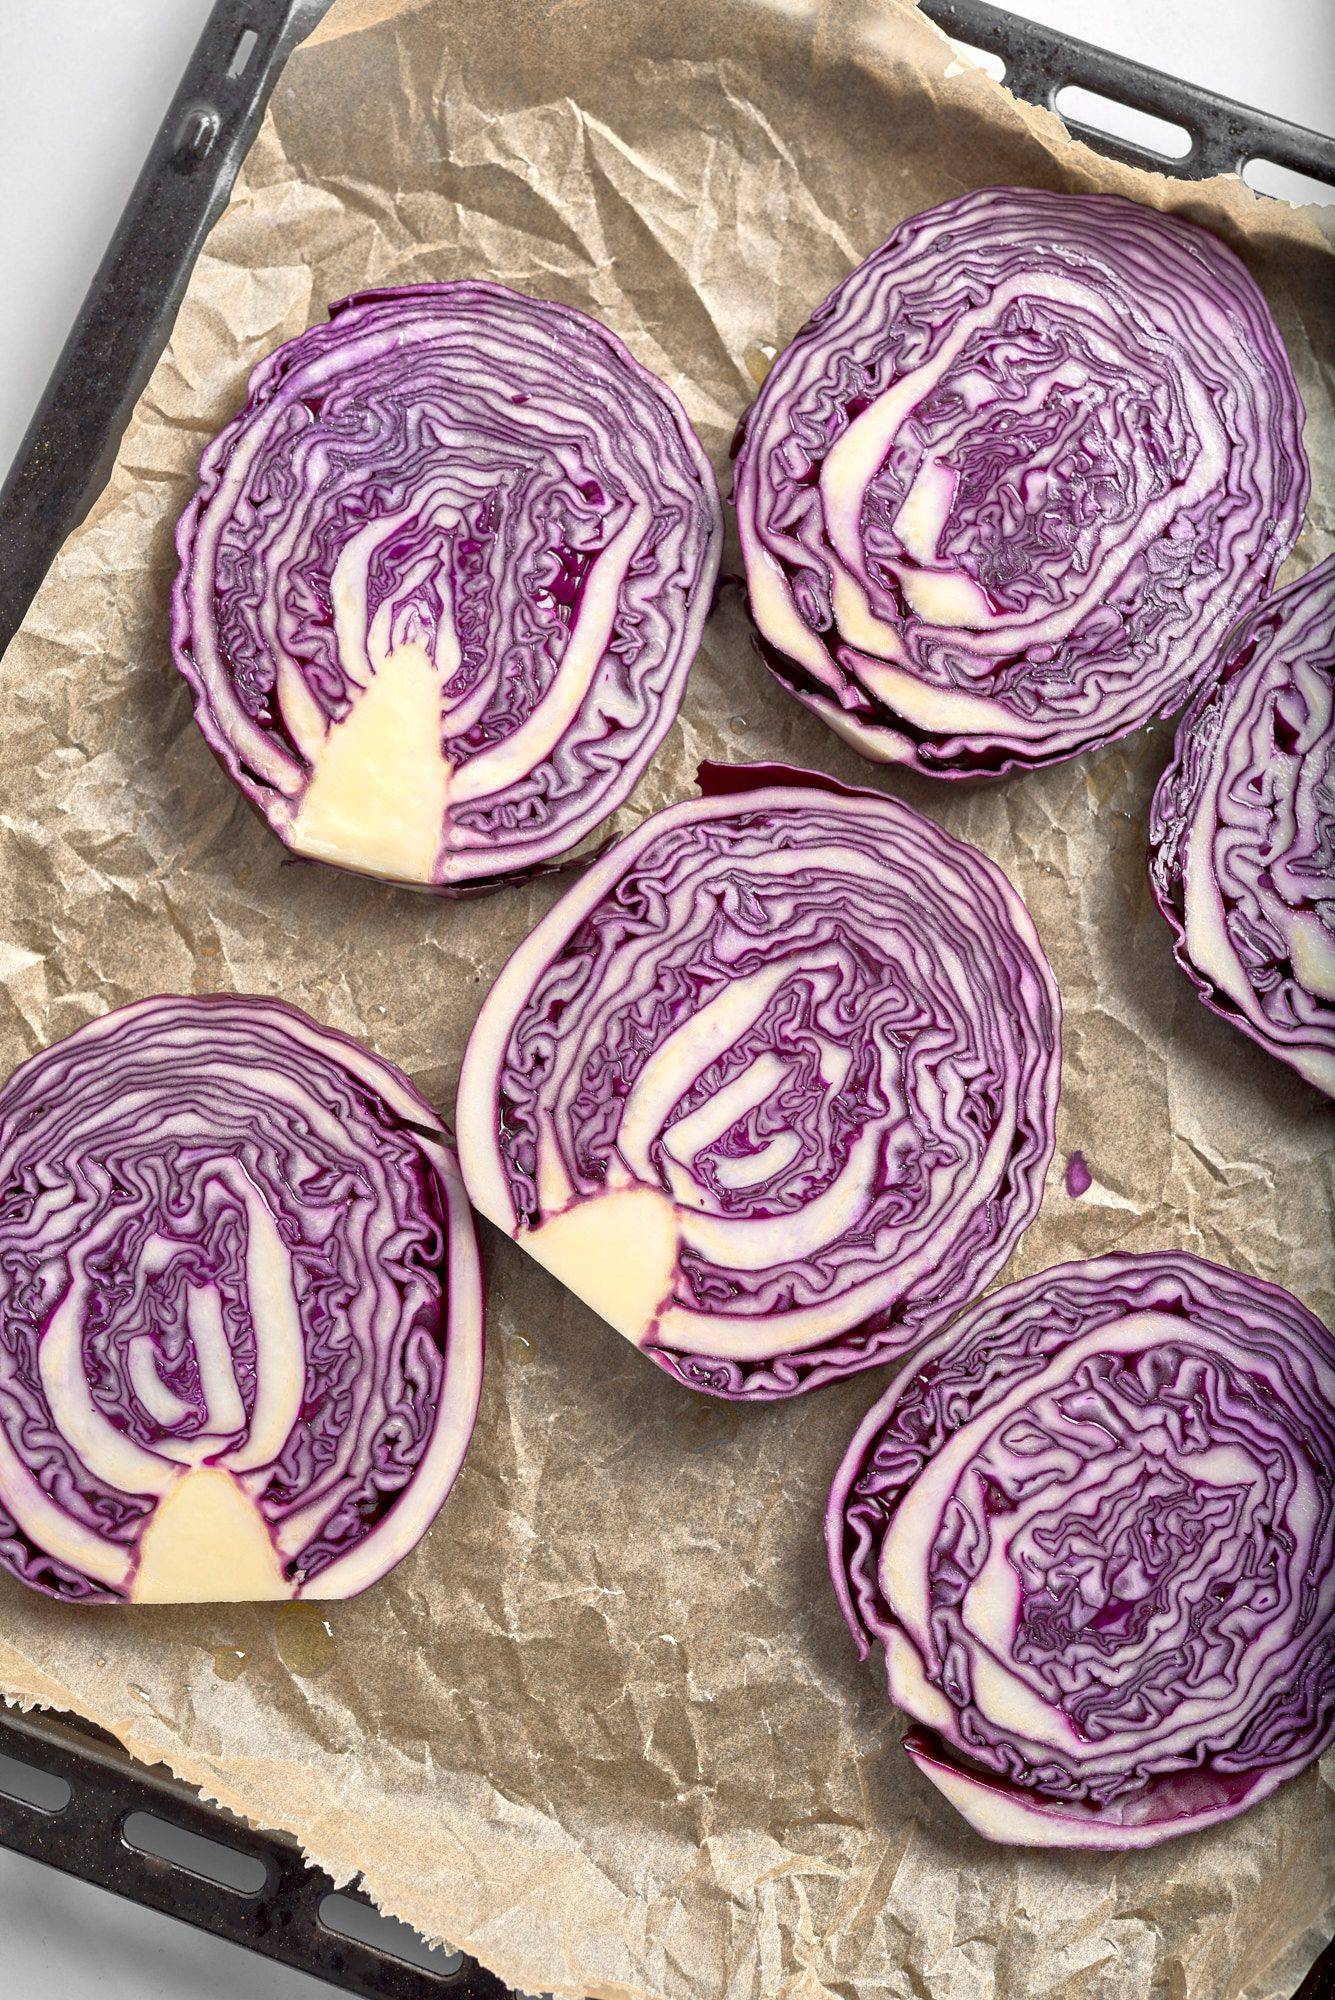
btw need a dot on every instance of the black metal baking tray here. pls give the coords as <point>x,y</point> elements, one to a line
<point>72,1797</point>
<point>61,466</point>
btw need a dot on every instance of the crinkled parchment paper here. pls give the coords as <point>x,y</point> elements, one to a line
<point>605,1727</point>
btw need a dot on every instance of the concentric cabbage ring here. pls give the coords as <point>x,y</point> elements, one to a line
<point>773,1087</point>
<point>1243,830</point>
<point>443,581</point>
<point>1093,1528</point>
<point>240,1309</point>
<point>1005,492</point>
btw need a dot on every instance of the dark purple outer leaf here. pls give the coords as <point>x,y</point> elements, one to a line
<point>1005,492</point>
<point>1093,1527</point>
<point>235,1256</point>
<point>1243,830</point>
<point>443,581</point>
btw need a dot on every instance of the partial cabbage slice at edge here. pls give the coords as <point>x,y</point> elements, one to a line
<point>1242,860</point>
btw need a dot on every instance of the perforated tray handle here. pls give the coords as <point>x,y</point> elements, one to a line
<point>86,1837</point>
<point>1224,135</point>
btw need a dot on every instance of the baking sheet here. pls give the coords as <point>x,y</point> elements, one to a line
<point>605,1728</point>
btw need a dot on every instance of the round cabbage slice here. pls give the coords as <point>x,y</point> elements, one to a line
<point>1012,482</point>
<point>772,1088</point>
<point>443,581</point>
<point>1093,1529</point>
<point>240,1309</point>
<point>1243,830</point>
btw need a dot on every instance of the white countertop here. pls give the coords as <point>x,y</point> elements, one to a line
<point>85,83</point>
<point>83,87</point>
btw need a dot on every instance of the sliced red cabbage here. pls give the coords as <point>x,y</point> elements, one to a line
<point>1243,830</point>
<point>773,1086</point>
<point>240,1309</point>
<point>1009,486</point>
<point>443,581</point>
<point>1093,1529</point>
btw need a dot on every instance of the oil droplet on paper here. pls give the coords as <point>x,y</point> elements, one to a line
<point>712,1422</point>
<point>1079,1179</point>
<point>758,360</point>
<point>1107,775</point>
<point>229,1662</point>
<point>305,1640</point>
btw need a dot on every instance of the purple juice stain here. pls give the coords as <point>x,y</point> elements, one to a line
<point>1079,1179</point>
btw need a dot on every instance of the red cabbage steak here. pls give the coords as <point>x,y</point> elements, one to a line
<point>1012,482</point>
<point>443,581</point>
<point>1093,1529</point>
<point>773,1086</point>
<point>240,1309</point>
<point>1243,830</point>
